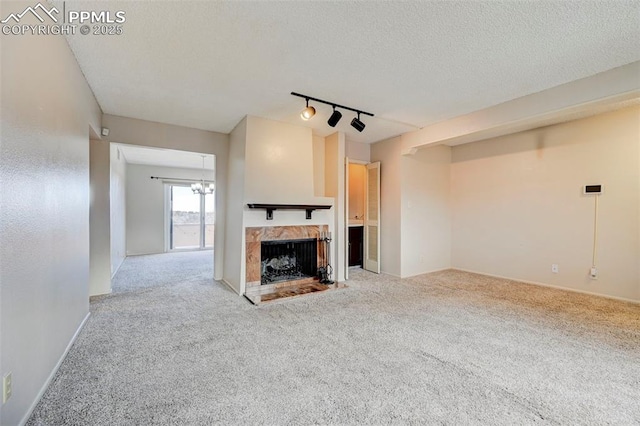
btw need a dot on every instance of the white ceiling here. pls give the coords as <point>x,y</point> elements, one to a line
<point>208,64</point>
<point>165,157</point>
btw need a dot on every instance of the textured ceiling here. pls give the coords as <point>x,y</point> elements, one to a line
<point>208,64</point>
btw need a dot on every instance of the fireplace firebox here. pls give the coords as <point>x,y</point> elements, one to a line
<point>286,260</point>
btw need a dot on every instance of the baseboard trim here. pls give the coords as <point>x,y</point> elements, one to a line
<point>429,272</point>
<point>47,382</point>
<point>225,282</point>
<point>415,275</point>
<point>91,296</point>
<point>590,293</point>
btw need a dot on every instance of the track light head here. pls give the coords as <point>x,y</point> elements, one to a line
<point>335,117</point>
<point>357,124</point>
<point>308,112</point>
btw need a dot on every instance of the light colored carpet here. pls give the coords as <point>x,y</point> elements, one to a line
<point>444,348</point>
<point>157,270</point>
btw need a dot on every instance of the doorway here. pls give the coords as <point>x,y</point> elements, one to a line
<point>191,218</point>
<point>362,215</point>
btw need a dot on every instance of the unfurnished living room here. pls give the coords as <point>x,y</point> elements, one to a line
<point>320,212</point>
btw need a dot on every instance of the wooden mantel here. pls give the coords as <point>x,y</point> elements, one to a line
<point>271,207</point>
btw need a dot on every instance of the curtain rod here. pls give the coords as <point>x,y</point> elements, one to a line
<point>188,180</point>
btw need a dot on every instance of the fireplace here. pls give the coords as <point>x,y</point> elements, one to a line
<point>288,260</point>
<point>282,243</point>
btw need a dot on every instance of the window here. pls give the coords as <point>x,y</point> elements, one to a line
<point>191,218</point>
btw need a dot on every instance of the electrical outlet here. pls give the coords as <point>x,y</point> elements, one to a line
<point>593,273</point>
<point>554,268</point>
<point>6,388</point>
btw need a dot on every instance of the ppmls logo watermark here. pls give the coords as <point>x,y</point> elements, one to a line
<point>67,22</point>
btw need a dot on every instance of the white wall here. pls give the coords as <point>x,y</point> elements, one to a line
<point>358,151</point>
<point>118,207</point>
<point>387,152</point>
<point>234,268</point>
<point>518,206</point>
<point>426,211</point>
<point>99,220</point>
<point>159,135</point>
<point>46,109</point>
<point>146,220</point>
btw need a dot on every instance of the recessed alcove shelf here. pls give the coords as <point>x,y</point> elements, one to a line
<point>309,208</point>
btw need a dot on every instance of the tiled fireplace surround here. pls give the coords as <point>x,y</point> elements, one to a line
<point>256,235</point>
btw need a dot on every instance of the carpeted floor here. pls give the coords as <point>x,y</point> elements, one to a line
<point>173,347</point>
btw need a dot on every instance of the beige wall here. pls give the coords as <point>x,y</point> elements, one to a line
<point>99,220</point>
<point>415,208</point>
<point>358,151</point>
<point>159,135</point>
<point>278,163</point>
<point>46,112</point>
<point>426,210</point>
<point>512,206</point>
<point>388,154</point>
<point>518,205</point>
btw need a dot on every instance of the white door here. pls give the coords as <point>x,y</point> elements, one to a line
<point>372,219</point>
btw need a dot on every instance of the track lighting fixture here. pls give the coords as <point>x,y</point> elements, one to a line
<point>357,124</point>
<point>310,111</point>
<point>335,117</point>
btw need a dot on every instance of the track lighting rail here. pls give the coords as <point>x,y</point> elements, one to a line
<point>333,104</point>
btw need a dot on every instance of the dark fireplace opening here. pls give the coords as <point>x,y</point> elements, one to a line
<point>288,260</point>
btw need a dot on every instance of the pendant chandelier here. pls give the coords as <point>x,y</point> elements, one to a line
<point>202,187</point>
